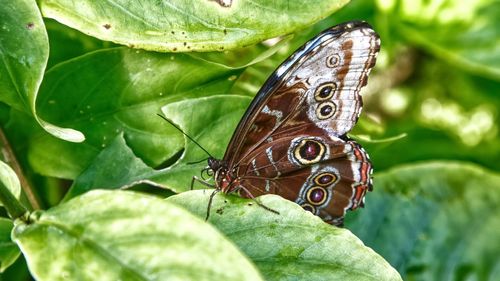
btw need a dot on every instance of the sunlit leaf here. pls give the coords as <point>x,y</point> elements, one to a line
<point>188,25</point>
<point>10,180</point>
<point>292,243</point>
<point>119,235</point>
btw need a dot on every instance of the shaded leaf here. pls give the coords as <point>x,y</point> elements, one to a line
<point>110,92</point>
<point>209,119</point>
<point>108,171</point>
<point>67,43</point>
<point>9,252</point>
<point>18,271</point>
<point>24,53</point>
<point>294,245</point>
<point>120,235</point>
<point>188,25</point>
<point>434,221</point>
<point>116,91</point>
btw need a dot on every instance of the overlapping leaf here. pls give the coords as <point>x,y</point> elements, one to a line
<point>106,169</point>
<point>9,179</point>
<point>293,244</point>
<point>118,235</point>
<point>195,25</point>
<point>24,52</point>
<point>116,91</point>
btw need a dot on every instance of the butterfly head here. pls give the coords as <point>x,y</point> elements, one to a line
<point>214,164</point>
<point>225,180</point>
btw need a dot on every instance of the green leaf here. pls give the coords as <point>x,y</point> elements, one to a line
<point>179,25</point>
<point>107,170</point>
<point>434,221</point>
<point>67,43</point>
<point>115,91</point>
<point>464,33</point>
<point>122,235</point>
<point>193,115</point>
<point>23,63</point>
<point>24,50</point>
<point>210,122</point>
<point>294,244</point>
<point>9,252</point>
<point>18,271</point>
<point>10,180</point>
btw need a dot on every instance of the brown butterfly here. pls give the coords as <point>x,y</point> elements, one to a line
<point>292,139</point>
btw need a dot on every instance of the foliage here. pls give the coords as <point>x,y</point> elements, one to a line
<point>84,119</point>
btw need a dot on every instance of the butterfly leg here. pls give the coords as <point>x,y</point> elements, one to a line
<point>210,203</point>
<point>257,201</point>
<point>195,178</point>
<point>205,183</point>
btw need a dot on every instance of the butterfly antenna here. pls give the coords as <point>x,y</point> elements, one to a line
<point>196,162</point>
<point>188,136</point>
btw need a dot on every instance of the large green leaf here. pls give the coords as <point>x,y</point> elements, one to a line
<point>110,92</point>
<point>24,50</point>
<point>194,25</point>
<point>434,221</point>
<point>122,235</point>
<point>292,245</point>
<point>207,119</point>
<point>115,91</point>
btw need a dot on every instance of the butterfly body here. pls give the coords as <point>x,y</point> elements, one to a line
<point>292,139</point>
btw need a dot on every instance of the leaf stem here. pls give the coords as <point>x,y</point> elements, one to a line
<point>11,204</point>
<point>10,158</point>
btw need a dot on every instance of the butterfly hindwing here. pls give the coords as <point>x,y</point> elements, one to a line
<point>325,176</point>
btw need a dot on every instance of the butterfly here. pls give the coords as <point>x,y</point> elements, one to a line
<point>292,139</point>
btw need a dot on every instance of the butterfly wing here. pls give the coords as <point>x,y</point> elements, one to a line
<point>291,141</point>
<point>323,77</point>
<point>325,175</point>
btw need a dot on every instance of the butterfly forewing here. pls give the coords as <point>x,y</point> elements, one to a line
<point>322,80</point>
<point>291,141</point>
